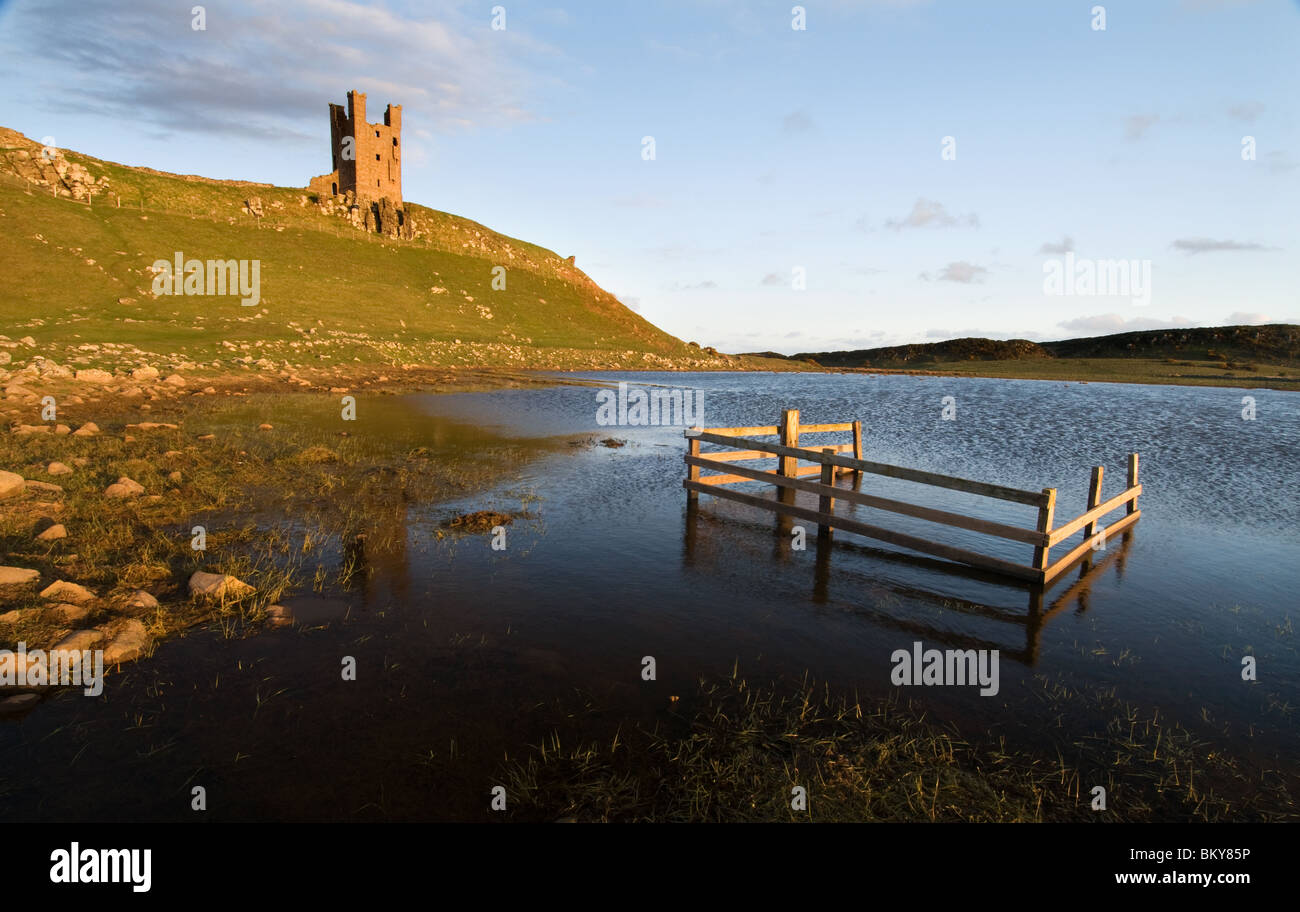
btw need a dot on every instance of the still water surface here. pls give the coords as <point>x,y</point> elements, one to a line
<point>466,654</point>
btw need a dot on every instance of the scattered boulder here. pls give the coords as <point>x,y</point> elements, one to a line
<point>71,613</point>
<point>94,375</point>
<point>141,599</point>
<point>279,616</point>
<point>18,615</point>
<point>124,487</point>
<point>264,427</point>
<point>11,485</point>
<point>18,576</point>
<point>44,487</point>
<point>53,533</point>
<point>64,591</point>
<point>175,380</point>
<point>131,641</point>
<point>24,430</point>
<point>174,476</point>
<point>218,585</point>
<point>144,373</point>
<point>78,641</point>
<point>89,429</point>
<point>18,703</point>
<point>152,426</point>
<point>58,468</point>
<point>80,461</point>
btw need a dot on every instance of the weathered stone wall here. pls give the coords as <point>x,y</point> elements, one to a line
<point>374,170</point>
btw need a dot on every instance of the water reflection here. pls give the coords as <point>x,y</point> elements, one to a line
<point>1041,603</point>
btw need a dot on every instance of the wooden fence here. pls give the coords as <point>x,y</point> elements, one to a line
<point>827,461</point>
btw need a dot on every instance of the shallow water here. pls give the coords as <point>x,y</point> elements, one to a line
<point>466,654</point>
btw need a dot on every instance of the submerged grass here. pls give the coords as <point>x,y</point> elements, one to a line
<point>739,754</point>
<point>280,510</point>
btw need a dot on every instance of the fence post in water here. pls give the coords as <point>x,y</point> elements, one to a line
<point>1132,480</point>
<point>826,503</point>
<point>693,472</point>
<point>790,438</point>
<point>857,446</point>
<point>1094,498</point>
<point>1045,514</point>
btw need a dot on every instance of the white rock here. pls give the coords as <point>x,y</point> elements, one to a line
<point>142,599</point>
<point>131,641</point>
<point>76,642</point>
<point>124,487</point>
<point>64,591</point>
<point>11,485</point>
<point>218,585</point>
<point>94,375</point>
<point>17,576</point>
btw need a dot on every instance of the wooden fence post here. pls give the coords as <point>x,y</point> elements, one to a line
<point>1132,480</point>
<point>789,437</point>
<point>1094,498</point>
<point>693,472</point>
<point>1045,514</point>
<point>826,503</point>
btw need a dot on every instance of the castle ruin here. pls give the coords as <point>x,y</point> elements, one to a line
<point>367,160</point>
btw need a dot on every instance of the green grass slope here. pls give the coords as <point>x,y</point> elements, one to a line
<point>77,276</point>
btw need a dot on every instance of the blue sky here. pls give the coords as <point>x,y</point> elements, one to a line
<point>775,149</point>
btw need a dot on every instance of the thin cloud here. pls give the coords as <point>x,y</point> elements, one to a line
<point>1209,245</point>
<point>262,72</point>
<point>1115,323</point>
<point>963,272</point>
<point>930,214</point>
<point>1136,126</point>
<point>1241,318</point>
<point>772,279</point>
<point>796,122</point>
<point>1247,112</point>
<point>1066,246</point>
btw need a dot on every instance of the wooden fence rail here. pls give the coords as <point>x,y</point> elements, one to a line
<point>788,477</point>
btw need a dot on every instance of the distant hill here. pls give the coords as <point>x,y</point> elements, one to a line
<point>1277,343</point>
<point>80,236</point>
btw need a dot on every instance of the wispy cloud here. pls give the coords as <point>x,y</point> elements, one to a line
<point>1242,318</point>
<point>1065,246</point>
<point>959,271</point>
<point>1209,245</point>
<point>796,122</point>
<point>1137,125</point>
<point>267,70</point>
<point>1115,323</point>
<point>930,214</point>
<point>1246,112</point>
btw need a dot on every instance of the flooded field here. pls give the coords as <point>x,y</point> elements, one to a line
<point>469,656</point>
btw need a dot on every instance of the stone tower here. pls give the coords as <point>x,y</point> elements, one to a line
<point>367,158</point>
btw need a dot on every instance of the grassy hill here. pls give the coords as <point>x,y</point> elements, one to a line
<point>77,281</point>
<point>1212,356</point>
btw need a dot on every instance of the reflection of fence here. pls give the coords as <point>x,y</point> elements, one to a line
<point>787,477</point>
<point>936,597</point>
